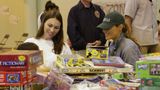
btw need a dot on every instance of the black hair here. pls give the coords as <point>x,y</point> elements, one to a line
<point>158,22</point>
<point>28,46</point>
<point>50,5</point>
<point>150,0</point>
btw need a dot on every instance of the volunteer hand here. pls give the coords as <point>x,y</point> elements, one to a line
<point>96,43</point>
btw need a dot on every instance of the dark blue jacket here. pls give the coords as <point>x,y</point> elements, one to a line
<point>82,24</point>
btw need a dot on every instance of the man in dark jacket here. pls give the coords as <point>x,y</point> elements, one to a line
<point>82,21</point>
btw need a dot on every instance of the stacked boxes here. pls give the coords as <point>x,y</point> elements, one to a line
<point>150,82</point>
<point>148,70</point>
<point>76,64</point>
<point>18,68</point>
<point>148,66</point>
<point>98,54</point>
<point>100,57</point>
<point>20,60</point>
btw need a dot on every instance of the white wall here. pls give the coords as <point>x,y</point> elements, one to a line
<point>20,18</point>
<point>12,20</point>
<point>31,17</point>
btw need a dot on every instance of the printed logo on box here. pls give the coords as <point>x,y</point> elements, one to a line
<point>142,66</point>
<point>19,62</point>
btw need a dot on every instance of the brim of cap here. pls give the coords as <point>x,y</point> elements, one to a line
<point>105,26</point>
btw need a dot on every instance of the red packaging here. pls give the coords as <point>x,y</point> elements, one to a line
<point>16,78</point>
<point>19,60</point>
<point>12,78</point>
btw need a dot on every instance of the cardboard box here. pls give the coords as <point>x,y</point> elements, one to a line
<point>16,78</point>
<point>78,65</point>
<point>13,78</point>
<point>150,82</point>
<point>20,60</point>
<point>97,52</point>
<point>148,69</point>
<point>18,87</point>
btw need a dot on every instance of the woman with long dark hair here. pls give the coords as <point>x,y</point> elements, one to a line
<point>49,38</point>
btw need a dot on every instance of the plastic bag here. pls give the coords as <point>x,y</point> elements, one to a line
<point>58,81</point>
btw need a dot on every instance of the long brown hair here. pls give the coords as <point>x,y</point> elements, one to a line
<point>124,30</point>
<point>58,38</point>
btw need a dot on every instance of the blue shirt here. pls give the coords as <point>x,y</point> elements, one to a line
<point>82,22</point>
<point>126,49</point>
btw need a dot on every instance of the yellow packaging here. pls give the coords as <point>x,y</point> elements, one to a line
<point>97,52</point>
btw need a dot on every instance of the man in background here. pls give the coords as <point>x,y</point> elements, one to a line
<point>82,21</point>
<point>141,19</point>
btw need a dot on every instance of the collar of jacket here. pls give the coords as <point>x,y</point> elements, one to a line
<point>81,6</point>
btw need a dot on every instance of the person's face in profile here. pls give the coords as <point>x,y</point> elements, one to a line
<point>51,28</point>
<point>112,33</point>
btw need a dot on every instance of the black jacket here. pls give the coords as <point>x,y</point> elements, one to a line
<point>82,24</point>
